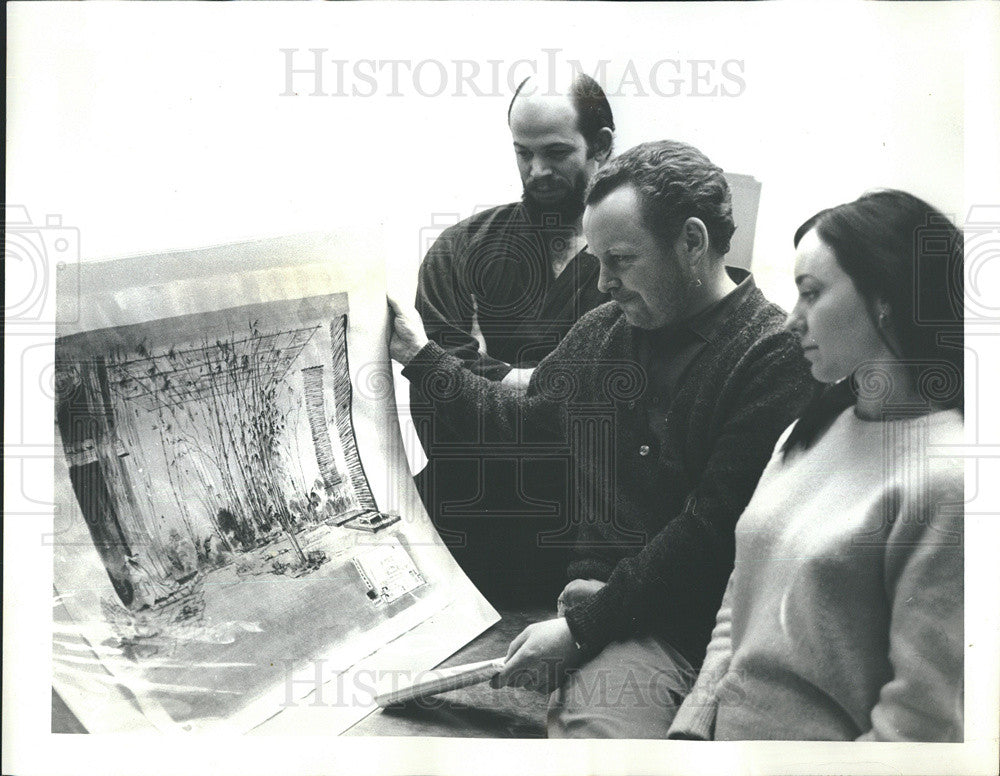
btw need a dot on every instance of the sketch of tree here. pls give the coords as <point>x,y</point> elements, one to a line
<point>195,446</point>
<point>236,419</point>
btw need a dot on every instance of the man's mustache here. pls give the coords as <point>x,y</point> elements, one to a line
<point>547,179</point>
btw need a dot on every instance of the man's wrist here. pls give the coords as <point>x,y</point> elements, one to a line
<point>413,351</point>
<point>425,357</point>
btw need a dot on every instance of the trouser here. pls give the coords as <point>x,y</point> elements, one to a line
<point>632,689</point>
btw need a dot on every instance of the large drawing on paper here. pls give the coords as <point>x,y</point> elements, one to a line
<point>187,457</point>
<point>212,459</point>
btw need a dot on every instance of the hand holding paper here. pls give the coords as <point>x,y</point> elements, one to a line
<point>407,336</point>
<point>539,657</point>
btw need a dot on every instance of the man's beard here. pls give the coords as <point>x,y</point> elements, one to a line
<point>567,210</point>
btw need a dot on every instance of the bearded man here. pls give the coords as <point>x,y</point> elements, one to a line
<point>521,274</point>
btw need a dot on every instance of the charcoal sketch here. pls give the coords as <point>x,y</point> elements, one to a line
<point>213,460</point>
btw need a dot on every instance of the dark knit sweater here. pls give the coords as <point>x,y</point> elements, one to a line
<point>653,517</point>
<point>496,267</point>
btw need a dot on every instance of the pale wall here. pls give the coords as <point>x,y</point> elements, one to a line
<point>161,127</point>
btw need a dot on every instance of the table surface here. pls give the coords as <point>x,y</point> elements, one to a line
<point>471,712</point>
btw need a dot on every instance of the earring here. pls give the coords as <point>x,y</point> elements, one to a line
<point>694,283</point>
<point>883,319</point>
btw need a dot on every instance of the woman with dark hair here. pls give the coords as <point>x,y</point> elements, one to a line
<point>843,617</point>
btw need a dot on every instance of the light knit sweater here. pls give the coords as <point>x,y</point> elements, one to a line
<point>843,617</point>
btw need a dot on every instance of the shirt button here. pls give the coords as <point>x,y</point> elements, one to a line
<point>643,450</point>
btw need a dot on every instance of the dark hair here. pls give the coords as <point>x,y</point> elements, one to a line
<point>593,112</point>
<point>900,250</point>
<point>675,181</point>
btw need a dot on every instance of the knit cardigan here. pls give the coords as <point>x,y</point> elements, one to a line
<point>652,514</point>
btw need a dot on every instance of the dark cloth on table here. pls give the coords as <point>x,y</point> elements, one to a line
<point>489,503</point>
<point>653,510</point>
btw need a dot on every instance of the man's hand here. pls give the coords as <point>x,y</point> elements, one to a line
<point>517,379</point>
<point>576,591</point>
<point>407,336</point>
<point>539,657</point>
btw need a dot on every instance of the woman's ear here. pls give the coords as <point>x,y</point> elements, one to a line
<point>883,314</point>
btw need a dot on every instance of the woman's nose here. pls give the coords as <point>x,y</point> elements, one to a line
<point>795,323</point>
